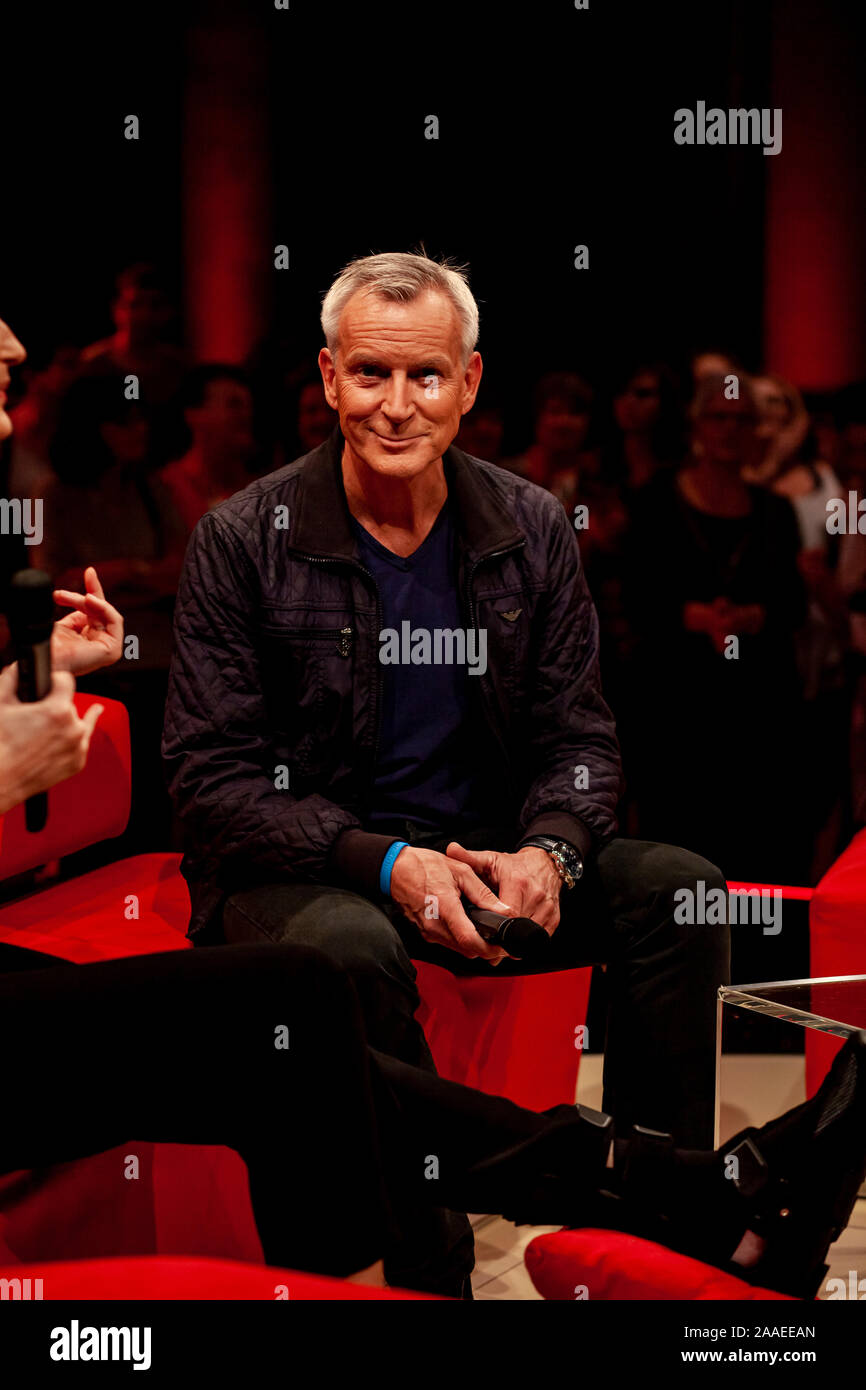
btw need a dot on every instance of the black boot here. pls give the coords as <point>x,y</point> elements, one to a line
<point>793,1182</point>
<point>559,1169</point>
<point>807,1168</point>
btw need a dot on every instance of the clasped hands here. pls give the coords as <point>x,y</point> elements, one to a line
<point>427,887</point>
<point>722,619</point>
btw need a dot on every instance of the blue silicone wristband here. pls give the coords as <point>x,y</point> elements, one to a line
<point>388,864</point>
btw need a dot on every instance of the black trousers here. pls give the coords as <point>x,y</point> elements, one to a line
<point>663,977</point>
<point>263,1050</point>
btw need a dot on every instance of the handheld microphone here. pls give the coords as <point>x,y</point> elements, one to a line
<point>31,619</point>
<point>519,936</point>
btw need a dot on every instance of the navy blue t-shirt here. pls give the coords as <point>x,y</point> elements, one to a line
<point>427,769</point>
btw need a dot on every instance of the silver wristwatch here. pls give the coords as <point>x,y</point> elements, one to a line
<point>568,862</point>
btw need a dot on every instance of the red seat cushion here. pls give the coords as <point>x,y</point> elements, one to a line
<point>187,1200</point>
<point>598,1264</point>
<point>516,1036</point>
<point>89,807</point>
<point>132,907</point>
<point>176,1277</point>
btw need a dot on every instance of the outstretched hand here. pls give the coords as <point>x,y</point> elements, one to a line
<point>92,635</point>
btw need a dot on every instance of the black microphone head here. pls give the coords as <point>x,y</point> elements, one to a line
<point>524,939</point>
<point>31,608</point>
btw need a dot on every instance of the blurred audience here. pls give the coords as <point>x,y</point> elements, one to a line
<point>35,420</point>
<point>294,415</point>
<point>647,428</point>
<point>716,598</point>
<point>783,424</point>
<point>851,573</point>
<point>791,467</point>
<point>105,505</point>
<point>315,418</point>
<point>852,450</point>
<point>563,404</point>
<point>141,344</point>
<point>713,363</point>
<point>482,431</point>
<point>217,406</point>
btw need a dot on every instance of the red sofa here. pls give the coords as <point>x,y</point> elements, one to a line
<point>167,1278</point>
<point>592,1264</point>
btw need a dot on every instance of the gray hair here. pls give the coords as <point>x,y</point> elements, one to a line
<point>401,276</point>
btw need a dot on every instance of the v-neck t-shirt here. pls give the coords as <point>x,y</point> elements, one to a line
<point>426,770</point>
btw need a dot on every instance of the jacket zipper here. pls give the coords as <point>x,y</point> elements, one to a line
<point>321,634</point>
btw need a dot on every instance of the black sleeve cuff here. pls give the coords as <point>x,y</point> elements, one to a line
<point>356,860</point>
<point>562,826</point>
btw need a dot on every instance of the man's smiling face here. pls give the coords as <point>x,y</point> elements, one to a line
<point>398,381</point>
<point>11,355</point>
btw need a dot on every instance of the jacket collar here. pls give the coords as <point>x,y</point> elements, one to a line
<point>322,518</point>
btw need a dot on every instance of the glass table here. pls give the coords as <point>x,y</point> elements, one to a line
<point>835,1004</point>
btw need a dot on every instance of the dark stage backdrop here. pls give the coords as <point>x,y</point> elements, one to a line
<point>306,127</point>
<point>556,129</point>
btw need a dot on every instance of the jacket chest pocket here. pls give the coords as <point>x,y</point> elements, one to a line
<point>307,673</point>
<point>508,640</point>
<point>319,640</point>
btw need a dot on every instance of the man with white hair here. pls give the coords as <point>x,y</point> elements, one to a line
<point>342,787</point>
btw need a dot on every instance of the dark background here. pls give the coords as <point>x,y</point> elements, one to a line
<point>556,128</point>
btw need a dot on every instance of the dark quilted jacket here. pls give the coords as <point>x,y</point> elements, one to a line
<point>276,667</point>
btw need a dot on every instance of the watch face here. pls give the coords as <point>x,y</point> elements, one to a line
<point>571,858</point>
